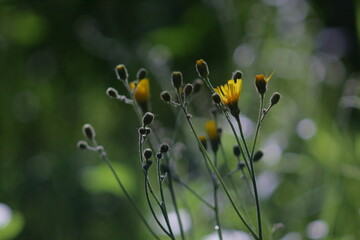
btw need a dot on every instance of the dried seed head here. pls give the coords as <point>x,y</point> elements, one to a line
<point>258,155</point>
<point>237,75</point>
<point>164,148</point>
<point>236,151</point>
<point>275,98</point>
<point>121,72</point>
<point>147,118</point>
<point>216,98</point>
<point>165,96</point>
<point>112,92</point>
<point>89,131</point>
<point>202,68</point>
<point>197,85</point>
<point>141,74</point>
<point>147,153</point>
<point>82,145</point>
<point>177,79</point>
<point>188,89</point>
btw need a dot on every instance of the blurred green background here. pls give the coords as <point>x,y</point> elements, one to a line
<point>57,60</point>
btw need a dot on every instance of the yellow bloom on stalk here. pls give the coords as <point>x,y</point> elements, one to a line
<point>213,134</point>
<point>141,93</point>
<point>142,90</point>
<point>230,92</point>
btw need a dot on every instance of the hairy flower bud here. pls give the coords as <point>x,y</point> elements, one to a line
<point>177,79</point>
<point>112,92</point>
<point>258,155</point>
<point>141,74</point>
<point>164,148</point>
<point>216,98</point>
<point>82,145</point>
<point>121,72</point>
<point>188,89</point>
<point>147,118</point>
<point>89,131</point>
<point>147,153</point>
<point>202,68</point>
<point>275,98</point>
<point>165,96</point>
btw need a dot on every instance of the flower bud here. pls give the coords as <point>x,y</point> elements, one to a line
<point>121,72</point>
<point>275,98</point>
<point>141,74</point>
<point>202,68</point>
<point>258,155</point>
<point>241,165</point>
<point>165,96</point>
<point>203,141</point>
<point>147,164</point>
<point>147,118</point>
<point>216,98</point>
<point>147,153</point>
<point>197,85</point>
<point>164,148</point>
<point>112,93</point>
<point>188,89</point>
<point>261,84</point>
<point>89,131</point>
<point>236,151</point>
<point>82,145</point>
<point>237,75</point>
<point>177,79</point>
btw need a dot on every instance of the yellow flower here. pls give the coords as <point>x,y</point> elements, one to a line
<point>213,134</point>
<point>230,92</point>
<point>141,93</point>
<point>211,130</point>
<point>142,90</point>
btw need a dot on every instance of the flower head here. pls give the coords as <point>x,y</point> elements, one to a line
<point>213,134</point>
<point>141,93</point>
<point>261,82</point>
<point>230,92</point>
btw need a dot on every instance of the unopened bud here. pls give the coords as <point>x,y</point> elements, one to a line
<point>164,148</point>
<point>141,74</point>
<point>147,153</point>
<point>121,72</point>
<point>237,75</point>
<point>216,98</point>
<point>147,164</point>
<point>82,145</point>
<point>261,84</point>
<point>203,141</point>
<point>142,131</point>
<point>197,85</point>
<point>241,165</point>
<point>177,79</point>
<point>236,151</point>
<point>275,98</point>
<point>147,118</point>
<point>165,96</point>
<point>188,89</point>
<point>112,93</point>
<point>258,155</point>
<point>88,131</point>
<point>159,156</point>
<point>202,68</point>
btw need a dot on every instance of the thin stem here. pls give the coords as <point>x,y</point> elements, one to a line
<point>193,192</point>
<point>216,203</point>
<point>163,204</point>
<point>151,208</point>
<point>133,204</point>
<point>172,194</point>
<point>219,176</point>
<point>252,166</point>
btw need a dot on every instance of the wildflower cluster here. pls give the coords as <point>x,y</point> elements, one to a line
<point>153,150</point>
